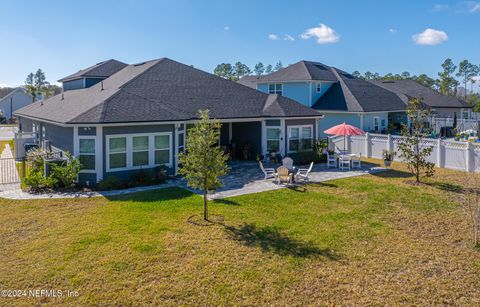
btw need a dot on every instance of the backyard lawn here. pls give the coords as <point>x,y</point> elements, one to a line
<point>372,239</point>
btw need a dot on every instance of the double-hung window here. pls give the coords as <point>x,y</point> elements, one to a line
<point>300,138</point>
<point>162,149</point>
<point>273,139</point>
<point>140,150</point>
<point>275,88</point>
<point>117,155</point>
<point>87,153</point>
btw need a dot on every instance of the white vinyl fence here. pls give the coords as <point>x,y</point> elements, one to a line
<point>464,156</point>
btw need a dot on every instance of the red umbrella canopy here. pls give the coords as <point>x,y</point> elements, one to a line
<point>344,129</point>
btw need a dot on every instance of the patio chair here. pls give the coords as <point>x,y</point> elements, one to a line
<point>357,161</point>
<point>288,163</point>
<point>283,175</point>
<point>331,160</point>
<point>345,162</point>
<point>303,173</point>
<point>268,172</point>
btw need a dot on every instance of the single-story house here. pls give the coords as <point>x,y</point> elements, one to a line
<point>373,106</point>
<point>16,99</point>
<point>134,117</point>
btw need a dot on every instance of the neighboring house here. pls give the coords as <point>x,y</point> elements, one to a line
<point>16,99</point>
<point>371,106</point>
<point>137,116</point>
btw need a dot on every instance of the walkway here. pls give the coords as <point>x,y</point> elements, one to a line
<point>243,178</point>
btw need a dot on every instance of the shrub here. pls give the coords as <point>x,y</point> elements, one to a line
<point>36,182</point>
<point>110,183</point>
<point>306,157</point>
<point>66,172</point>
<point>141,178</point>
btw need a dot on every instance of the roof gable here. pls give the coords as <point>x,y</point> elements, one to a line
<point>301,71</point>
<point>100,70</point>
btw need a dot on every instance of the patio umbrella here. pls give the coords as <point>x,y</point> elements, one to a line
<point>344,129</point>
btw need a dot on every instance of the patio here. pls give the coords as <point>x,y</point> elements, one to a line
<point>247,178</point>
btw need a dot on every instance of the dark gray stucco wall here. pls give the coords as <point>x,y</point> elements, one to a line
<point>125,175</point>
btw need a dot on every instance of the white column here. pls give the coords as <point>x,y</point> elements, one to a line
<point>75,141</point>
<point>283,138</point>
<point>99,153</point>
<point>175,148</point>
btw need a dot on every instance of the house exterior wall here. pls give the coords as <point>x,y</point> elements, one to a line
<point>92,81</point>
<point>333,119</point>
<point>73,84</point>
<point>324,86</point>
<point>122,130</point>
<point>303,92</point>
<point>368,121</point>
<point>59,137</point>
<point>14,101</point>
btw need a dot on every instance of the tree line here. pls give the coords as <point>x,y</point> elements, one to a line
<point>235,71</point>
<point>446,83</point>
<point>36,85</point>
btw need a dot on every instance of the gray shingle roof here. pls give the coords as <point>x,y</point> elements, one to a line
<point>357,95</point>
<point>100,70</point>
<point>250,81</point>
<point>413,89</point>
<point>303,70</point>
<point>162,90</point>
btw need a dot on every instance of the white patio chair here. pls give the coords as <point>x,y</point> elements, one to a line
<point>283,175</point>
<point>302,173</point>
<point>288,163</point>
<point>357,161</point>
<point>268,172</point>
<point>345,162</point>
<point>331,160</point>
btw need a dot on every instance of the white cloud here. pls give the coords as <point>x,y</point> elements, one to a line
<point>273,37</point>
<point>430,37</point>
<point>323,34</point>
<point>226,28</point>
<point>392,30</point>
<point>440,8</point>
<point>475,8</point>
<point>288,37</point>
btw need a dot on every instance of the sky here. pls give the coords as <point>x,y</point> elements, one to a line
<point>62,37</point>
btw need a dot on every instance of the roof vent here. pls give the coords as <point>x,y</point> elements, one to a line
<point>139,64</point>
<point>101,89</point>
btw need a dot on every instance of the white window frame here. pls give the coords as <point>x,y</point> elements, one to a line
<point>300,127</point>
<point>275,90</point>
<point>88,137</point>
<point>147,150</point>
<point>129,151</point>
<point>279,138</point>
<point>318,87</point>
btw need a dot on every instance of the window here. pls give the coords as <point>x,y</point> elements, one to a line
<point>300,138</point>
<point>87,153</point>
<point>383,123</point>
<point>181,142</point>
<point>376,123</point>
<point>117,152</point>
<point>273,140</point>
<point>319,87</point>
<point>162,149</point>
<point>140,150</point>
<point>275,88</point>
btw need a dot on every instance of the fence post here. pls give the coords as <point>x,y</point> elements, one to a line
<point>440,149</point>
<point>468,158</point>
<point>349,143</point>
<point>367,145</point>
<point>389,142</point>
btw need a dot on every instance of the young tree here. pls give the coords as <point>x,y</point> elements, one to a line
<point>224,70</point>
<point>36,84</point>
<point>205,161</point>
<point>30,86</point>
<point>259,69</point>
<point>448,84</point>
<point>278,66</point>
<point>471,204</point>
<point>410,146</point>
<point>268,69</point>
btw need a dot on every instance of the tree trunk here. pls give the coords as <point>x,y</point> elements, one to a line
<point>205,206</point>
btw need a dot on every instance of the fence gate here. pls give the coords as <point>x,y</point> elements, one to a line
<point>9,171</point>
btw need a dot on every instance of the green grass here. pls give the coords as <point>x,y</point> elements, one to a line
<point>2,145</point>
<point>364,240</point>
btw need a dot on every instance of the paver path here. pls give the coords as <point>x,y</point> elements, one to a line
<point>243,178</point>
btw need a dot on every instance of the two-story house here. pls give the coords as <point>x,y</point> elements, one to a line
<point>371,106</point>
